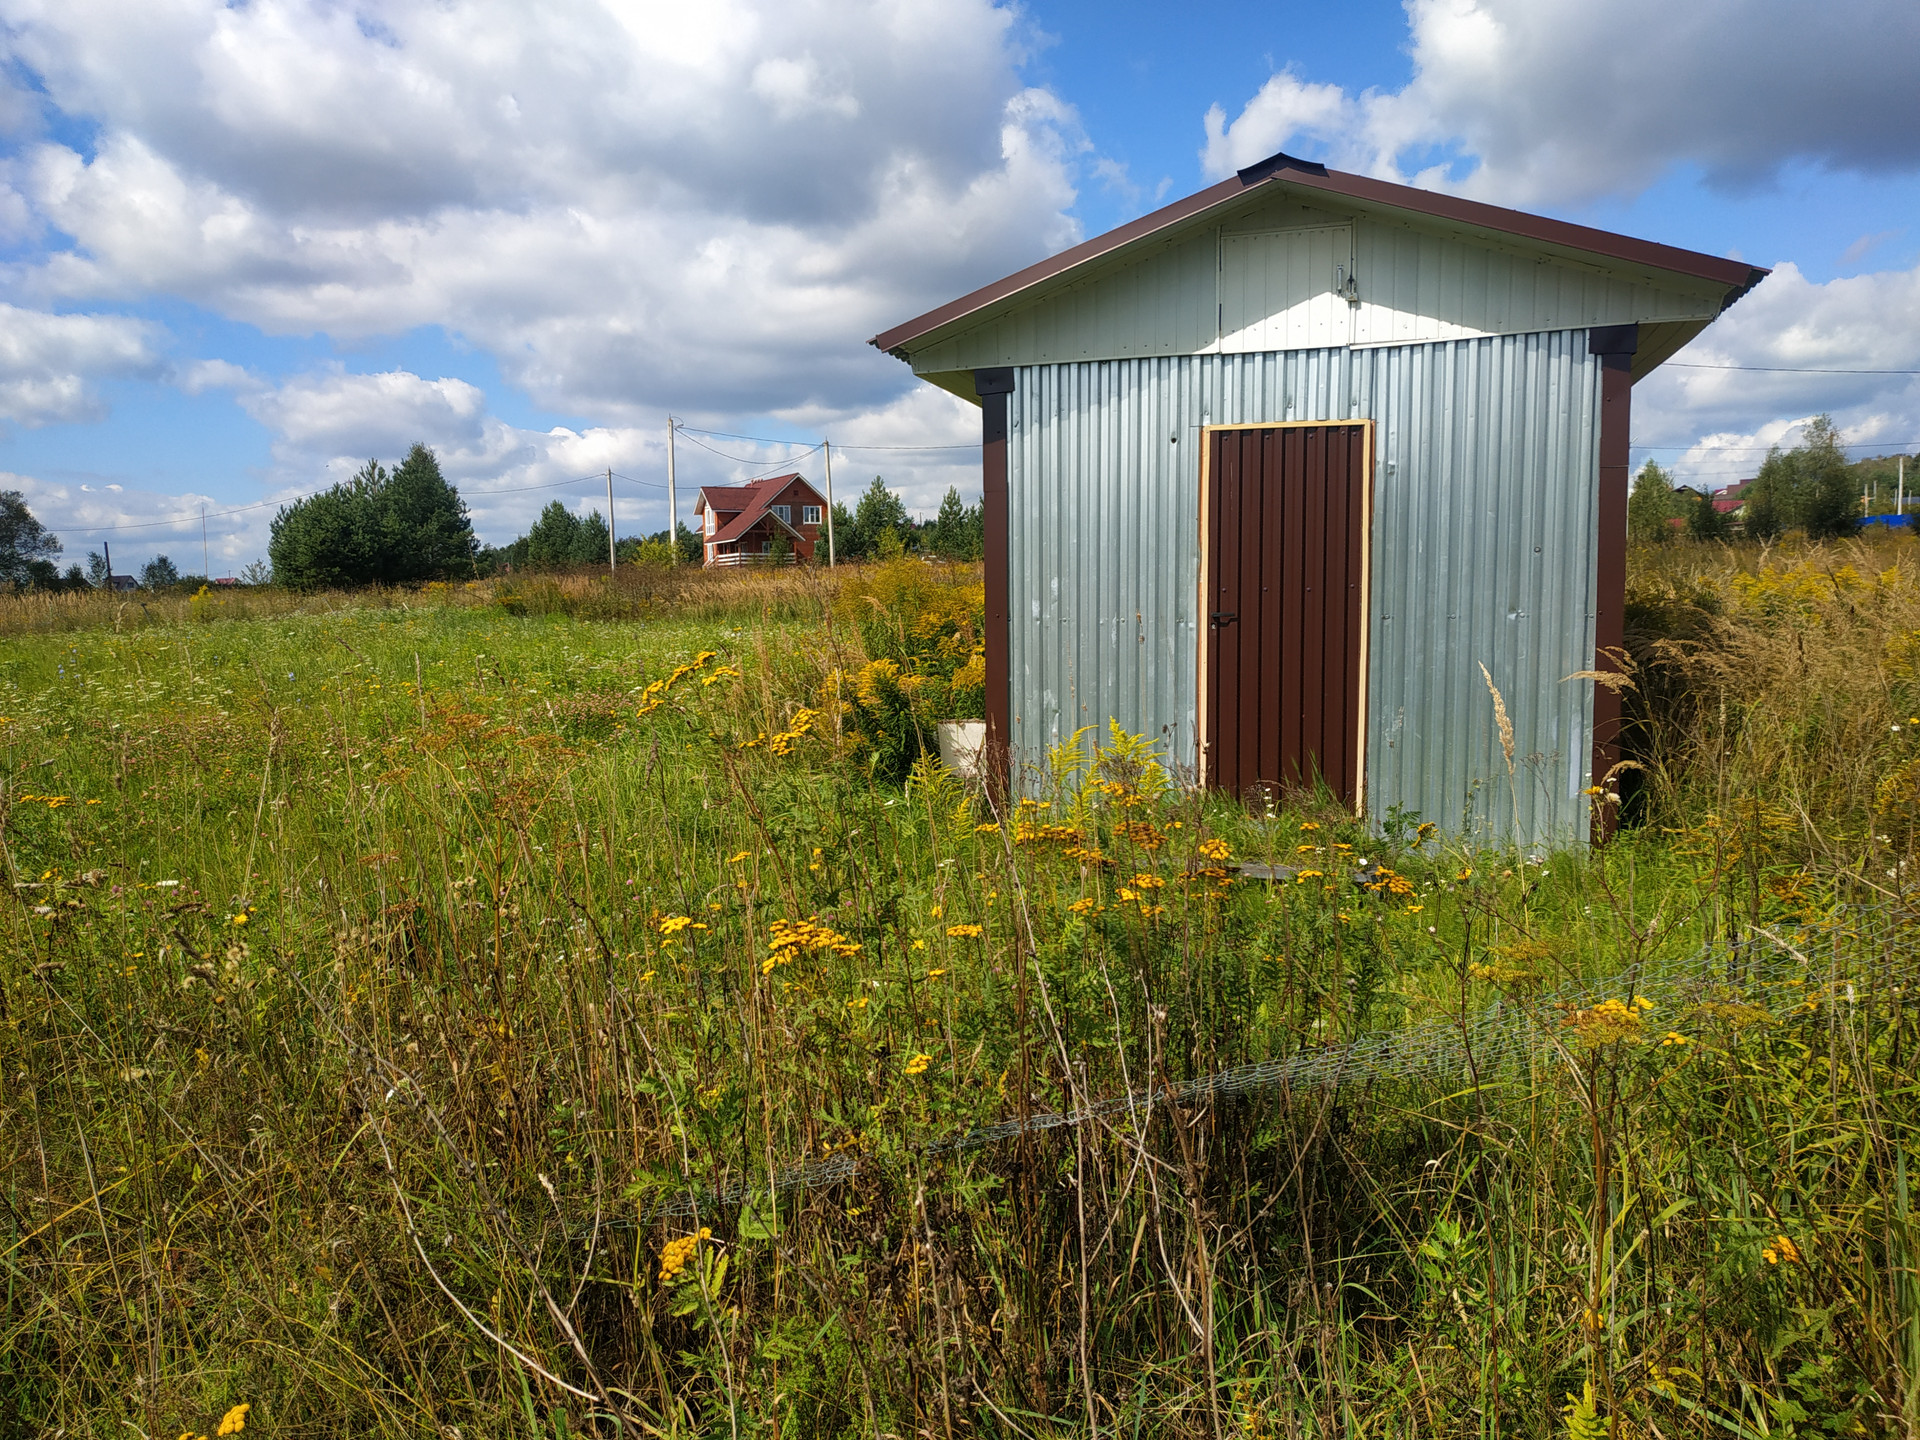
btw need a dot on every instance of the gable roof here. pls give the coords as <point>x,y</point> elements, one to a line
<point>749,504</point>
<point>1288,173</point>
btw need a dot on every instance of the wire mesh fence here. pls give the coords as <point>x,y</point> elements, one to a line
<point>1870,959</point>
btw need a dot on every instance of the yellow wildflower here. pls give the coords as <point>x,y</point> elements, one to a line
<point>1215,849</point>
<point>234,1421</point>
<point>675,1253</point>
<point>1781,1249</point>
<point>1610,1022</point>
<point>918,1064</point>
<point>736,859</point>
<point>674,924</point>
<point>965,932</point>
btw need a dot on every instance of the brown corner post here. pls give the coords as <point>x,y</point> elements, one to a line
<point>1615,345</point>
<point>994,387</point>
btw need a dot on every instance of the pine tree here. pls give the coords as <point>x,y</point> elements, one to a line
<point>552,541</point>
<point>880,513</point>
<point>331,540</point>
<point>947,536</point>
<point>426,533</point>
<point>379,528</point>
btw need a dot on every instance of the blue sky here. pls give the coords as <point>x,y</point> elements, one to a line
<point>245,247</point>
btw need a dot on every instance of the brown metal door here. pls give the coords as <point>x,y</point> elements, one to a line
<point>1285,597</point>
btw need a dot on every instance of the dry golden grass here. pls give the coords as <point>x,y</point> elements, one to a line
<point>636,592</point>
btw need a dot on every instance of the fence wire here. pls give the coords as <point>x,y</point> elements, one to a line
<point>1871,954</point>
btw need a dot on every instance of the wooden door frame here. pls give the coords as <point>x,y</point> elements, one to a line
<point>1366,584</point>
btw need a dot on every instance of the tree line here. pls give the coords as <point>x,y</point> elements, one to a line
<point>408,524</point>
<point>1811,488</point>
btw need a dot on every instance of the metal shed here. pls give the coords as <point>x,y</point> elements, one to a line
<point>1272,473</point>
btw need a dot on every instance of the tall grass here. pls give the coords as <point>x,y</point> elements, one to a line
<point>391,990</point>
<point>633,593</point>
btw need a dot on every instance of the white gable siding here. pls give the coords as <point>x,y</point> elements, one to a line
<point>1257,288</point>
<point>1417,286</point>
<point>1164,304</point>
<point>1279,291</point>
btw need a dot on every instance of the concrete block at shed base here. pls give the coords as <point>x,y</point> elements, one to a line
<point>961,742</point>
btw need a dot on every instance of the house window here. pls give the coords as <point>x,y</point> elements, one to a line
<point>809,514</point>
<point>711,527</point>
<point>766,546</point>
<point>785,512</point>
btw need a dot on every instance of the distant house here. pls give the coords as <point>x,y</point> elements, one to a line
<point>741,523</point>
<point>123,582</point>
<point>1729,498</point>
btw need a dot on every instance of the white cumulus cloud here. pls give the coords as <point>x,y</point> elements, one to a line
<point>48,362</point>
<point>1558,102</point>
<point>628,206</point>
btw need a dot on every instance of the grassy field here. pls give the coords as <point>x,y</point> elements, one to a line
<point>414,1009</point>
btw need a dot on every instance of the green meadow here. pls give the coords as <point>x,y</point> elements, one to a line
<point>572,1009</point>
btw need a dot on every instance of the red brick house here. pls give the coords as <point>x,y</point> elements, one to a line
<point>739,523</point>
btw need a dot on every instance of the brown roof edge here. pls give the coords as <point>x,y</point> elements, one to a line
<point>1737,275</point>
<point>1066,260</point>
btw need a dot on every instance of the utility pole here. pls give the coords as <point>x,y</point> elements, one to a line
<point>673,496</point>
<point>1901,503</point>
<point>613,563</point>
<point>105,546</point>
<point>826,447</point>
<point>206,565</point>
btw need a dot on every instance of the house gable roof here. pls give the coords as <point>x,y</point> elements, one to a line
<point>1285,174</point>
<point>749,504</point>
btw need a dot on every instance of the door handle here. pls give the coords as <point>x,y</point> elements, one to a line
<point>1225,617</point>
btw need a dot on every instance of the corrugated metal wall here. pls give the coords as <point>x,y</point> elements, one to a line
<point>1486,474</point>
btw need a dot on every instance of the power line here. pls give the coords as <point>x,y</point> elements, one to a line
<point>686,429</point>
<point>288,500</point>
<point>974,445</point>
<point>178,520</point>
<point>750,459</point>
<point>769,440</point>
<point>549,485</point>
<point>1763,449</point>
<point>1779,369</point>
